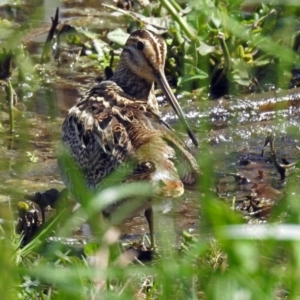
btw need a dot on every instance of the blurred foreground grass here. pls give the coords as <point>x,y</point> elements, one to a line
<point>214,264</point>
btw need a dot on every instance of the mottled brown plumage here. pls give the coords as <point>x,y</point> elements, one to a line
<point>117,122</point>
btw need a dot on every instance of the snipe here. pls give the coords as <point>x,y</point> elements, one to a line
<point>117,121</point>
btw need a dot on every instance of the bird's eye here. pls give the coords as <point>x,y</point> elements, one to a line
<point>140,46</point>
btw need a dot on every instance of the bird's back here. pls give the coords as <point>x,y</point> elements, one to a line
<point>109,129</point>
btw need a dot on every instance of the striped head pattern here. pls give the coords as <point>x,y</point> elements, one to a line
<point>145,53</point>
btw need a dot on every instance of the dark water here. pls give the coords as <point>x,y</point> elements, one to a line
<point>230,142</point>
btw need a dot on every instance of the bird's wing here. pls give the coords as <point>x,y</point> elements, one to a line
<point>101,131</point>
<point>186,164</point>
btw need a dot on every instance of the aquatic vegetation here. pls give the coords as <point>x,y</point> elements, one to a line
<point>216,48</point>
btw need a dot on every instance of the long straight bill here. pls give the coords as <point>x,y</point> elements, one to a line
<point>163,83</point>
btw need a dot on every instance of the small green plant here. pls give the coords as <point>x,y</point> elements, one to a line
<point>32,157</point>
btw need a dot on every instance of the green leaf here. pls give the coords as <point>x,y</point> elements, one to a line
<point>118,36</point>
<point>205,49</point>
<point>91,248</point>
<point>188,78</point>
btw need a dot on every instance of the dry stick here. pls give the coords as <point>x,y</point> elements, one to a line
<point>46,50</point>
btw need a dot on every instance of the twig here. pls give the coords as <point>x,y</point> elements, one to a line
<point>46,51</point>
<point>10,99</point>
